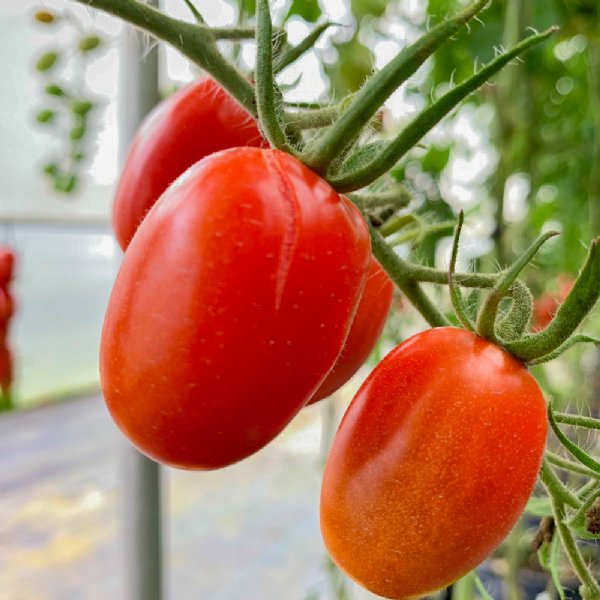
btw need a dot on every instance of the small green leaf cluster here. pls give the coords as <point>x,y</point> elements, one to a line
<point>67,104</point>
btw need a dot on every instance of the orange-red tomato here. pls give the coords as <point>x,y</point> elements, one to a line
<point>368,323</point>
<point>432,464</point>
<point>196,121</point>
<point>233,302</point>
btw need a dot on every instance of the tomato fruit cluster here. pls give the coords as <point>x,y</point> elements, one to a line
<point>237,293</point>
<point>432,464</point>
<point>248,291</point>
<point>7,311</point>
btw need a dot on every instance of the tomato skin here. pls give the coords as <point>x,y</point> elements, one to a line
<point>233,302</point>
<point>432,464</point>
<point>196,121</point>
<point>371,315</point>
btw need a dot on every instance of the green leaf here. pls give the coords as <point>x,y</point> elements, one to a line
<point>65,182</point>
<point>355,63</point>
<point>249,6</point>
<point>553,565</point>
<point>77,132</point>
<point>364,8</point>
<point>436,159</point>
<point>539,507</point>
<point>46,61</point>
<point>51,168</point>
<point>81,107</point>
<point>54,90</point>
<point>309,10</point>
<point>45,116</point>
<point>89,43</point>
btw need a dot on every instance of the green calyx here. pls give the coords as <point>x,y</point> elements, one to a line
<point>509,329</point>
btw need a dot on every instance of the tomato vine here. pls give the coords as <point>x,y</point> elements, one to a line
<point>328,148</point>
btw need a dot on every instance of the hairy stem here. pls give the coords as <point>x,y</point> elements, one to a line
<point>556,491</point>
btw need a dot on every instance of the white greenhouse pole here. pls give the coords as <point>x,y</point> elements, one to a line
<point>140,483</point>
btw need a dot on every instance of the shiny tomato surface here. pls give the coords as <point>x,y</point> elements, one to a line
<point>196,121</point>
<point>232,304</point>
<point>371,315</point>
<point>432,463</point>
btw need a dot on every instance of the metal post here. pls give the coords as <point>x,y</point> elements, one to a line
<point>138,93</point>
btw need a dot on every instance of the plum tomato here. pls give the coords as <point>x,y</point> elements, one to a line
<point>432,463</point>
<point>232,303</point>
<point>196,121</point>
<point>371,315</point>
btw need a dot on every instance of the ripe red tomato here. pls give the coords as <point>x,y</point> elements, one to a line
<point>6,369</point>
<point>7,265</point>
<point>232,304</point>
<point>196,121</point>
<point>371,315</point>
<point>432,464</point>
<point>546,305</point>
<point>7,305</point>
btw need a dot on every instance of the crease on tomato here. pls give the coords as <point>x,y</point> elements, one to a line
<point>289,239</point>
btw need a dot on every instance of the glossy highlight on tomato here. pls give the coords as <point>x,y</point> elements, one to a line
<point>371,315</point>
<point>233,302</point>
<point>432,464</point>
<point>196,121</point>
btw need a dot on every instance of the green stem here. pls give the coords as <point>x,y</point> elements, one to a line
<point>486,321</point>
<point>269,107</point>
<point>455,294</point>
<point>196,43</point>
<point>577,421</point>
<point>398,223</point>
<point>380,87</point>
<point>199,18</point>
<point>295,52</point>
<point>463,588</point>
<point>232,33</point>
<point>512,589</point>
<point>570,465</point>
<point>556,492</point>
<point>427,119</point>
<point>421,232</point>
<point>580,300</point>
<point>576,339</point>
<point>313,119</point>
<point>398,270</point>
<point>398,197</point>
